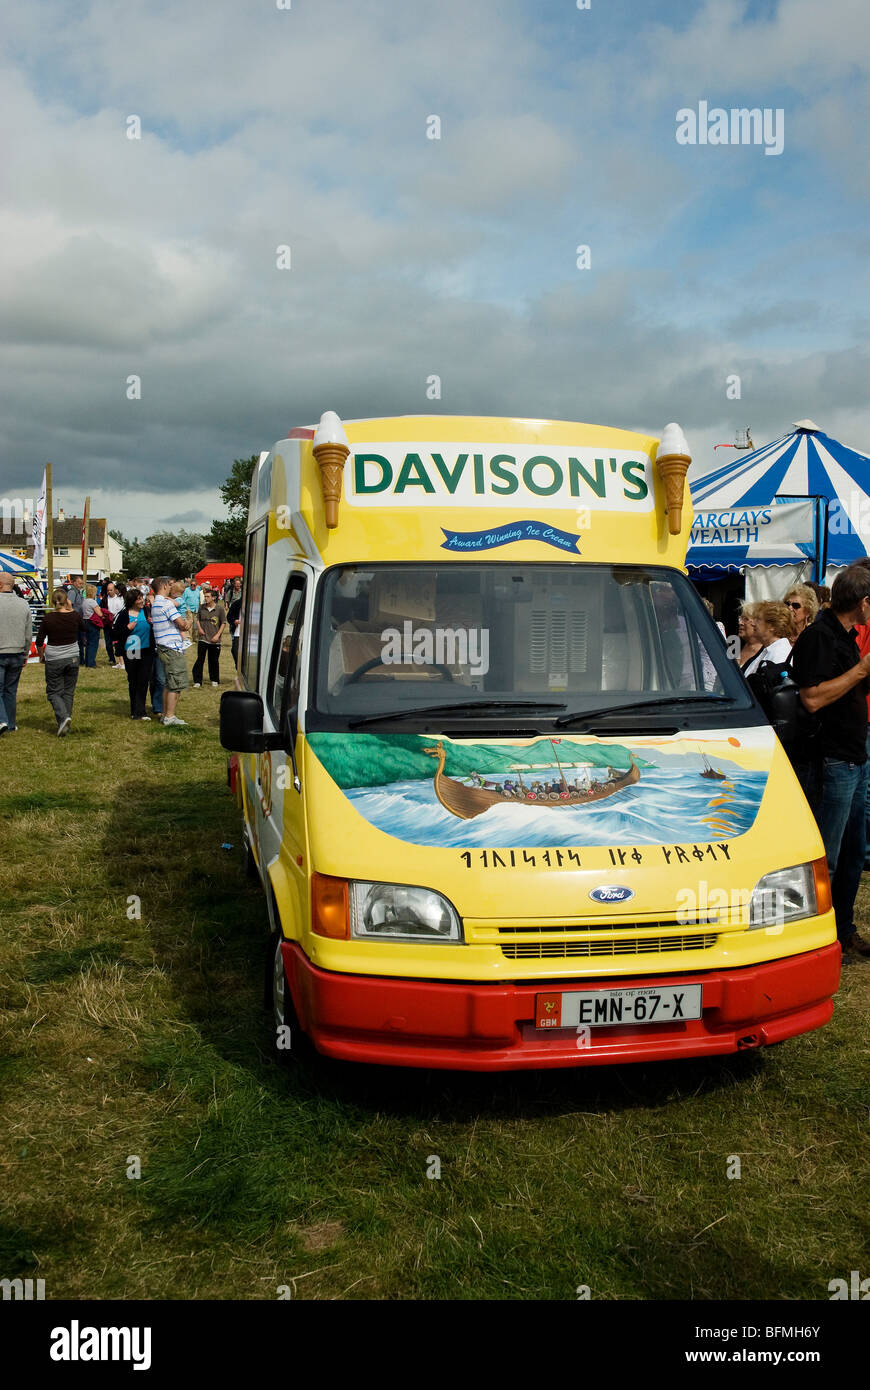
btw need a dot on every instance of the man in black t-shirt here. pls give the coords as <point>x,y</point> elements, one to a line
<point>234,614</point>
<point>833,681</point>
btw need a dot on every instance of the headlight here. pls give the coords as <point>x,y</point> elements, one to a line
<point>392,911</point>
<point>786,895</point>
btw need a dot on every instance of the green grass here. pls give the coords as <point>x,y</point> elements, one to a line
<point>126,1035</point>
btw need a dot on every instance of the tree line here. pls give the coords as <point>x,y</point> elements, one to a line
<point>185,552</point>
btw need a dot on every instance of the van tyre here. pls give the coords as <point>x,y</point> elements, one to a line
<point>289,1043</point>
<point>279,1003</point>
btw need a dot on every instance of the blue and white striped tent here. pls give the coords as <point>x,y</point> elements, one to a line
<point>804,463</point>
<point>13,564</point>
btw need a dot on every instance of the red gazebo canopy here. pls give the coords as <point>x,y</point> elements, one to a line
<point>218,573</point>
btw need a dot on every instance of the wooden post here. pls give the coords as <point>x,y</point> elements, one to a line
<point>49,538</point>
<point>86,526</point>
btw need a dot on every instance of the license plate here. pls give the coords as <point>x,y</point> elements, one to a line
<point>608,1008</point>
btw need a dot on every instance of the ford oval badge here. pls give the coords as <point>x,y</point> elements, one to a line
<point>611,893</point>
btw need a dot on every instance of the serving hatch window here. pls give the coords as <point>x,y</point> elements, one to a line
<point>392,637</point>
<point>255,568</point>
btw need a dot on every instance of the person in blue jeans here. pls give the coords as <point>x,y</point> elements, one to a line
<point>157,686</point>
<point>93,630</point>
<point>833,681</point>
<point>16,630</point>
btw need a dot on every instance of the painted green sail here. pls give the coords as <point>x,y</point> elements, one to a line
<point>376,760</point>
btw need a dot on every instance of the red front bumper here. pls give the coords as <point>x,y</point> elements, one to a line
<point>481,1027</point>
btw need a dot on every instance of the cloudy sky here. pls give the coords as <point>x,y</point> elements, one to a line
<point>306,127</point>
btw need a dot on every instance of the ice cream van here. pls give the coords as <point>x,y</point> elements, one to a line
<point>511,804</point>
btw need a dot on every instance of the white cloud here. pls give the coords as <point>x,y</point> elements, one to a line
<point>488,163</point>
<point>723,51</point>
<point>410,257</point>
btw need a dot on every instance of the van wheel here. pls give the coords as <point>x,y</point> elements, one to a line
<point>283,1025</point>
<point>289,1042</point>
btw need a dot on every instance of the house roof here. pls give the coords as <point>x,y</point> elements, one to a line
<point>67,532</point>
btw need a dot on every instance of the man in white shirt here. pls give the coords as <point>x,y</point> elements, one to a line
<point>168,625</point>
<point>114,603</point>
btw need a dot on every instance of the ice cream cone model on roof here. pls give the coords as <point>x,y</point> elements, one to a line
<point>672,460</point>
<point>331,449</point>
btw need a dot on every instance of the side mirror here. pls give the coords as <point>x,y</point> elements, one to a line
<point>241,729</point>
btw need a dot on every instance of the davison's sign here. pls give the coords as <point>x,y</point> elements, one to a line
<point>499,475</point>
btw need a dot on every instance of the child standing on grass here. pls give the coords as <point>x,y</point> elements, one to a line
<point>211,621</point>
<point>187,604</point>
<point>57,642</point>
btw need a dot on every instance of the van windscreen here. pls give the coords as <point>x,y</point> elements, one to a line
<point>395,638</point>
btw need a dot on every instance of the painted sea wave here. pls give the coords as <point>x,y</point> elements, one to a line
<point>668,806</point>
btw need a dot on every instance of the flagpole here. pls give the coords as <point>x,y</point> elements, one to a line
<point>49,538</point>
<point>85,528</point>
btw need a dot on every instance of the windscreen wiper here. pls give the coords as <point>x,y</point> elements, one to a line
<point>581,714</point>
<point>454,705</point>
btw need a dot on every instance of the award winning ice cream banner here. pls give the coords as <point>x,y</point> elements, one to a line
<point>513,531</point>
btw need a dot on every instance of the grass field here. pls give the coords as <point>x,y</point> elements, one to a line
<point>144,1037</point>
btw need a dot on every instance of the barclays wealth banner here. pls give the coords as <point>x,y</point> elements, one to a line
<point>777,534</point>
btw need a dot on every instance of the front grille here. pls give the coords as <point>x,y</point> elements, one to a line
<point>663,924</point>
<point>607,946</point>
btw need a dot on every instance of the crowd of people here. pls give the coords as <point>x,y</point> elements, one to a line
<point>821,638</point>
<point>768,630</point>
<point>147,626</point>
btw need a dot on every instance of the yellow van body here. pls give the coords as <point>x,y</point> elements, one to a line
<point>496,890</point>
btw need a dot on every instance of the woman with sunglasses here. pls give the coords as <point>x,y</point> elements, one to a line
<point>803,604</point>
